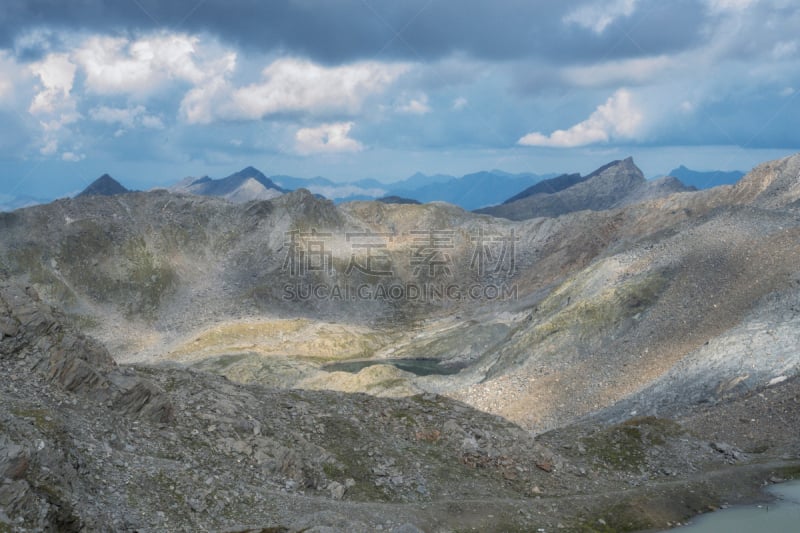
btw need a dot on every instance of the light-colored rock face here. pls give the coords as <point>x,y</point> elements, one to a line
<point>772,185</point>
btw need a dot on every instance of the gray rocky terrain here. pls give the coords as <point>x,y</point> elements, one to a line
<point>164,371</point>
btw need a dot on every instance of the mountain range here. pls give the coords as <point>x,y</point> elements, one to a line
<point>603,356</point>
<point>472,191</point>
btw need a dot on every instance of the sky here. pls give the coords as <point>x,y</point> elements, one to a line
<point>151,91</point>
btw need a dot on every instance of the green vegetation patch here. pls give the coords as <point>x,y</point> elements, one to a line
<point>594,315</point>
<point>618,518</point>
<point>42,419</point>
<point>789,472</point>
<point>29,260</point>
<point>624,446</point>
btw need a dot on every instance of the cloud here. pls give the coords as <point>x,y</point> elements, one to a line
<point>785,50</point>
<point>291,85</point>
<point>429,31</point>
<point>414,106</point>
<point>6,88</point>
<point>598,16</point>
<point>617,118</point>
<point>460,103</point>
<point>49,147</point>
<point>54,105</point>
<point>327,138</point>
<point>115,65</point>
<point>642,70</point>
<point>56,74</point>
<point>127,117</point>
<point>14,78</point>
<point>72,157</point>
<point>202,104</point>
<point>152,122</point>
<point>728,6</point>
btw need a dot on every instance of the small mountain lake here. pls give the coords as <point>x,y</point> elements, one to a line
<point>780,516</point>
<point>419,366</point>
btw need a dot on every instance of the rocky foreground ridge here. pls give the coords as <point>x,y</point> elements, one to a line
<point>89,445</point>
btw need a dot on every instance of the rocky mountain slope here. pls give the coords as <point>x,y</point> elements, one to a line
<point>617,184</point>
<point>549,186</point>
<point>594,327</point>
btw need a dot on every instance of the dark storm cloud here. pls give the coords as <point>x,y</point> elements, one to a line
<point>343,30</point>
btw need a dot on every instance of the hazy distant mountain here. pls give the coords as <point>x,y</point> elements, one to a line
<point>616,184</point>
<point>706,180</point>
<point>10,203</point>
<point>105,185</point>
<point>471,191</point>
<point>243,186</point>
<point>367,189</point>
<point>420,180</point>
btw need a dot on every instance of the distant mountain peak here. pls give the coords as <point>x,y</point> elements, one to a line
<point>251,172</point>
<point>105,185</point>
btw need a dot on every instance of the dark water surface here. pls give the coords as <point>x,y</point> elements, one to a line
<point>420,367</point>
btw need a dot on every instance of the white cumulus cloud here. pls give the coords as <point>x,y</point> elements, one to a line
<point>291,85</point>
<point>597,16</point>
<point>56,74</point>
<point>54,104</point>
<point>327,138</point>
<point>619,117</point>
<point>116,65</point>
